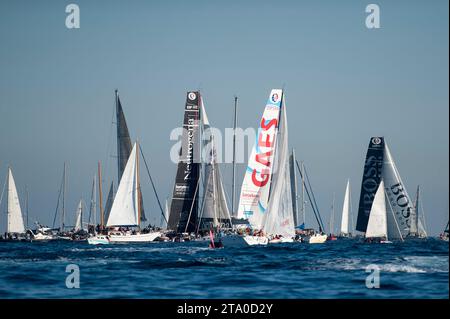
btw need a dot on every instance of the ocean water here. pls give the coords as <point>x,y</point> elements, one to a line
<point>413,269</point>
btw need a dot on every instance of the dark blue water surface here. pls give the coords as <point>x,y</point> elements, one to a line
<point>413,269</point>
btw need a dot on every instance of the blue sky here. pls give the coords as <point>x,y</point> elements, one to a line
<point>344,83</point>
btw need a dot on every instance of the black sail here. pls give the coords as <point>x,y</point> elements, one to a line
<point>124,147</point>
<point>184,207</point>
<point>373,168</point>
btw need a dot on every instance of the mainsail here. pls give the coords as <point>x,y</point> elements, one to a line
<point>377,224</point>
<point>125,209</point>
<point>371,180</point>
<point>15,219</point>
<point>346,211</point>
<point>255,188</point>
<point>124,146</point>
<point>280,218</point>
<point>184,205</point>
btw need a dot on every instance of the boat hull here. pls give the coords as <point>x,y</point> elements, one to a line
<point>98,240</point>
<point>239,241</point>
<point>317,239</point>
<point>134,238</point>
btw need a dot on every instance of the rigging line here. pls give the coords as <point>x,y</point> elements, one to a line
<point>153,185</point>
<point>312,193</point>
<point>57,202</point>
<point>309,196</point>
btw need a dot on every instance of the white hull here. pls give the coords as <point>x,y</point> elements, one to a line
<point>133,238</point>
<point>317,239</point>
<point>256,240</point>
<point>98,240</point>
<point>281,240</point>
<point>42,237</point>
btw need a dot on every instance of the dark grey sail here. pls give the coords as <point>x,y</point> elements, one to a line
<point>373,169</point>
<point>124,147</point>
<point>109,201</point>
<point>183,210</point>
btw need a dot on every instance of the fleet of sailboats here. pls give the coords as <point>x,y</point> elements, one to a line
<point>268,212</point>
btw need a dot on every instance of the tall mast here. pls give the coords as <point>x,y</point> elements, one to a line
<point>94,200</point>
<point>63,217</point>
<point>303,192</point>
<point>295,199</point>
<point>26,203</point>
<point>117,132</point>
<point>102,222</point>
<point>138,185</point>
<point>234,157</point>
<point>332,216</point>
<point>7,200</point>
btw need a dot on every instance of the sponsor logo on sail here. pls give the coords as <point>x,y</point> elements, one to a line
<point>192,96</point>
<point>275,97</point>
<point>376,140</point>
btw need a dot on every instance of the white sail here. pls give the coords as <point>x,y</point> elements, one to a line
<point>346,210</point>
<point>400,202</point>
<point>124,211</point>
<point>15,219</point>
<point>280,217</point>
<point>166,214</point>
<point>79,214</point>
<point>255,188</point>
<point>377,225</point>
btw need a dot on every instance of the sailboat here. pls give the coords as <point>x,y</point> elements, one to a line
<point>266,197</point>
<point>15,228</point>
<point>380,167</point>
<point>185,196</point>
<point>417,229</point>
<point>124,148</point>
<point>444,236</point>
<point>126,208</point>
<point>346,207</point>
<point>331,235</point>
<point>214,213</point>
